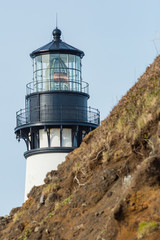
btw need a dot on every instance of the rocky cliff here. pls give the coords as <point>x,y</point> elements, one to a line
<point>108,188</point>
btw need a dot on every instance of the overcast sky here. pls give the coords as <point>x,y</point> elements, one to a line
<point>119,38</point>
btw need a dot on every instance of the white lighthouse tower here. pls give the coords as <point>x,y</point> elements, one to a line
<point>56,115</point>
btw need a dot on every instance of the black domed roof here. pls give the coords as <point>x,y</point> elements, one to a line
<point>57,46</point>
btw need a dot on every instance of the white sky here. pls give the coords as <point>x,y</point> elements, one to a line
<point>117,38</point>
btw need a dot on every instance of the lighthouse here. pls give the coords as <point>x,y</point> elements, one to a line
<point>56,116</point>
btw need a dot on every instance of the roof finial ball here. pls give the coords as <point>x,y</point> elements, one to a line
<point>56,34</point>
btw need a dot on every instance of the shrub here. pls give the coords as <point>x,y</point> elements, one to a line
<point>145,228</point>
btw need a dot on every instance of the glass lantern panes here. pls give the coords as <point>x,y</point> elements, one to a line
<point>57,72</point>
<point>46,72</point>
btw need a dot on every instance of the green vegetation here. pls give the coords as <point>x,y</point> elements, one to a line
<point>26,234</point>
<point>103,231</point>
<point>50,188</point>
<point>65,201</point>
<point>145,228</point>
<point>60,204</point>
<point>145,136</point>
<point>51,214</point>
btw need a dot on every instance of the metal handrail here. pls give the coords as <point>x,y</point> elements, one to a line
<point>54,114</point>
<point>50,85</point>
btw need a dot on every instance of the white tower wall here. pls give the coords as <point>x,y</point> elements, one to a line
<point>37,166</point>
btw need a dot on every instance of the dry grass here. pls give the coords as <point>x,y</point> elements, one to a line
<point>138,108</point>
<point>17,216</point>
<point>50,188</point>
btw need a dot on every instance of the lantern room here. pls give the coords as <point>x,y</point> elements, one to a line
<point>57,66</point>
<point>57,72</point>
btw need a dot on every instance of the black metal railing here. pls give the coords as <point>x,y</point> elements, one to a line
<point>50,85</point>
<point>67,114</point>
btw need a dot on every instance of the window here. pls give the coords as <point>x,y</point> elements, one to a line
<point>43,138</point>
<point>55,137</point>
<point>66,137</point>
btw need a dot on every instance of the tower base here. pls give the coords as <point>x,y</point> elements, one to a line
<point>37,166</point>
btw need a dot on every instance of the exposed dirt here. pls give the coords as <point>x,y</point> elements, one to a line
<point>109,187</point>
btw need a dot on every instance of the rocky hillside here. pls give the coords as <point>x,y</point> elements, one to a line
<point>108,188</point>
